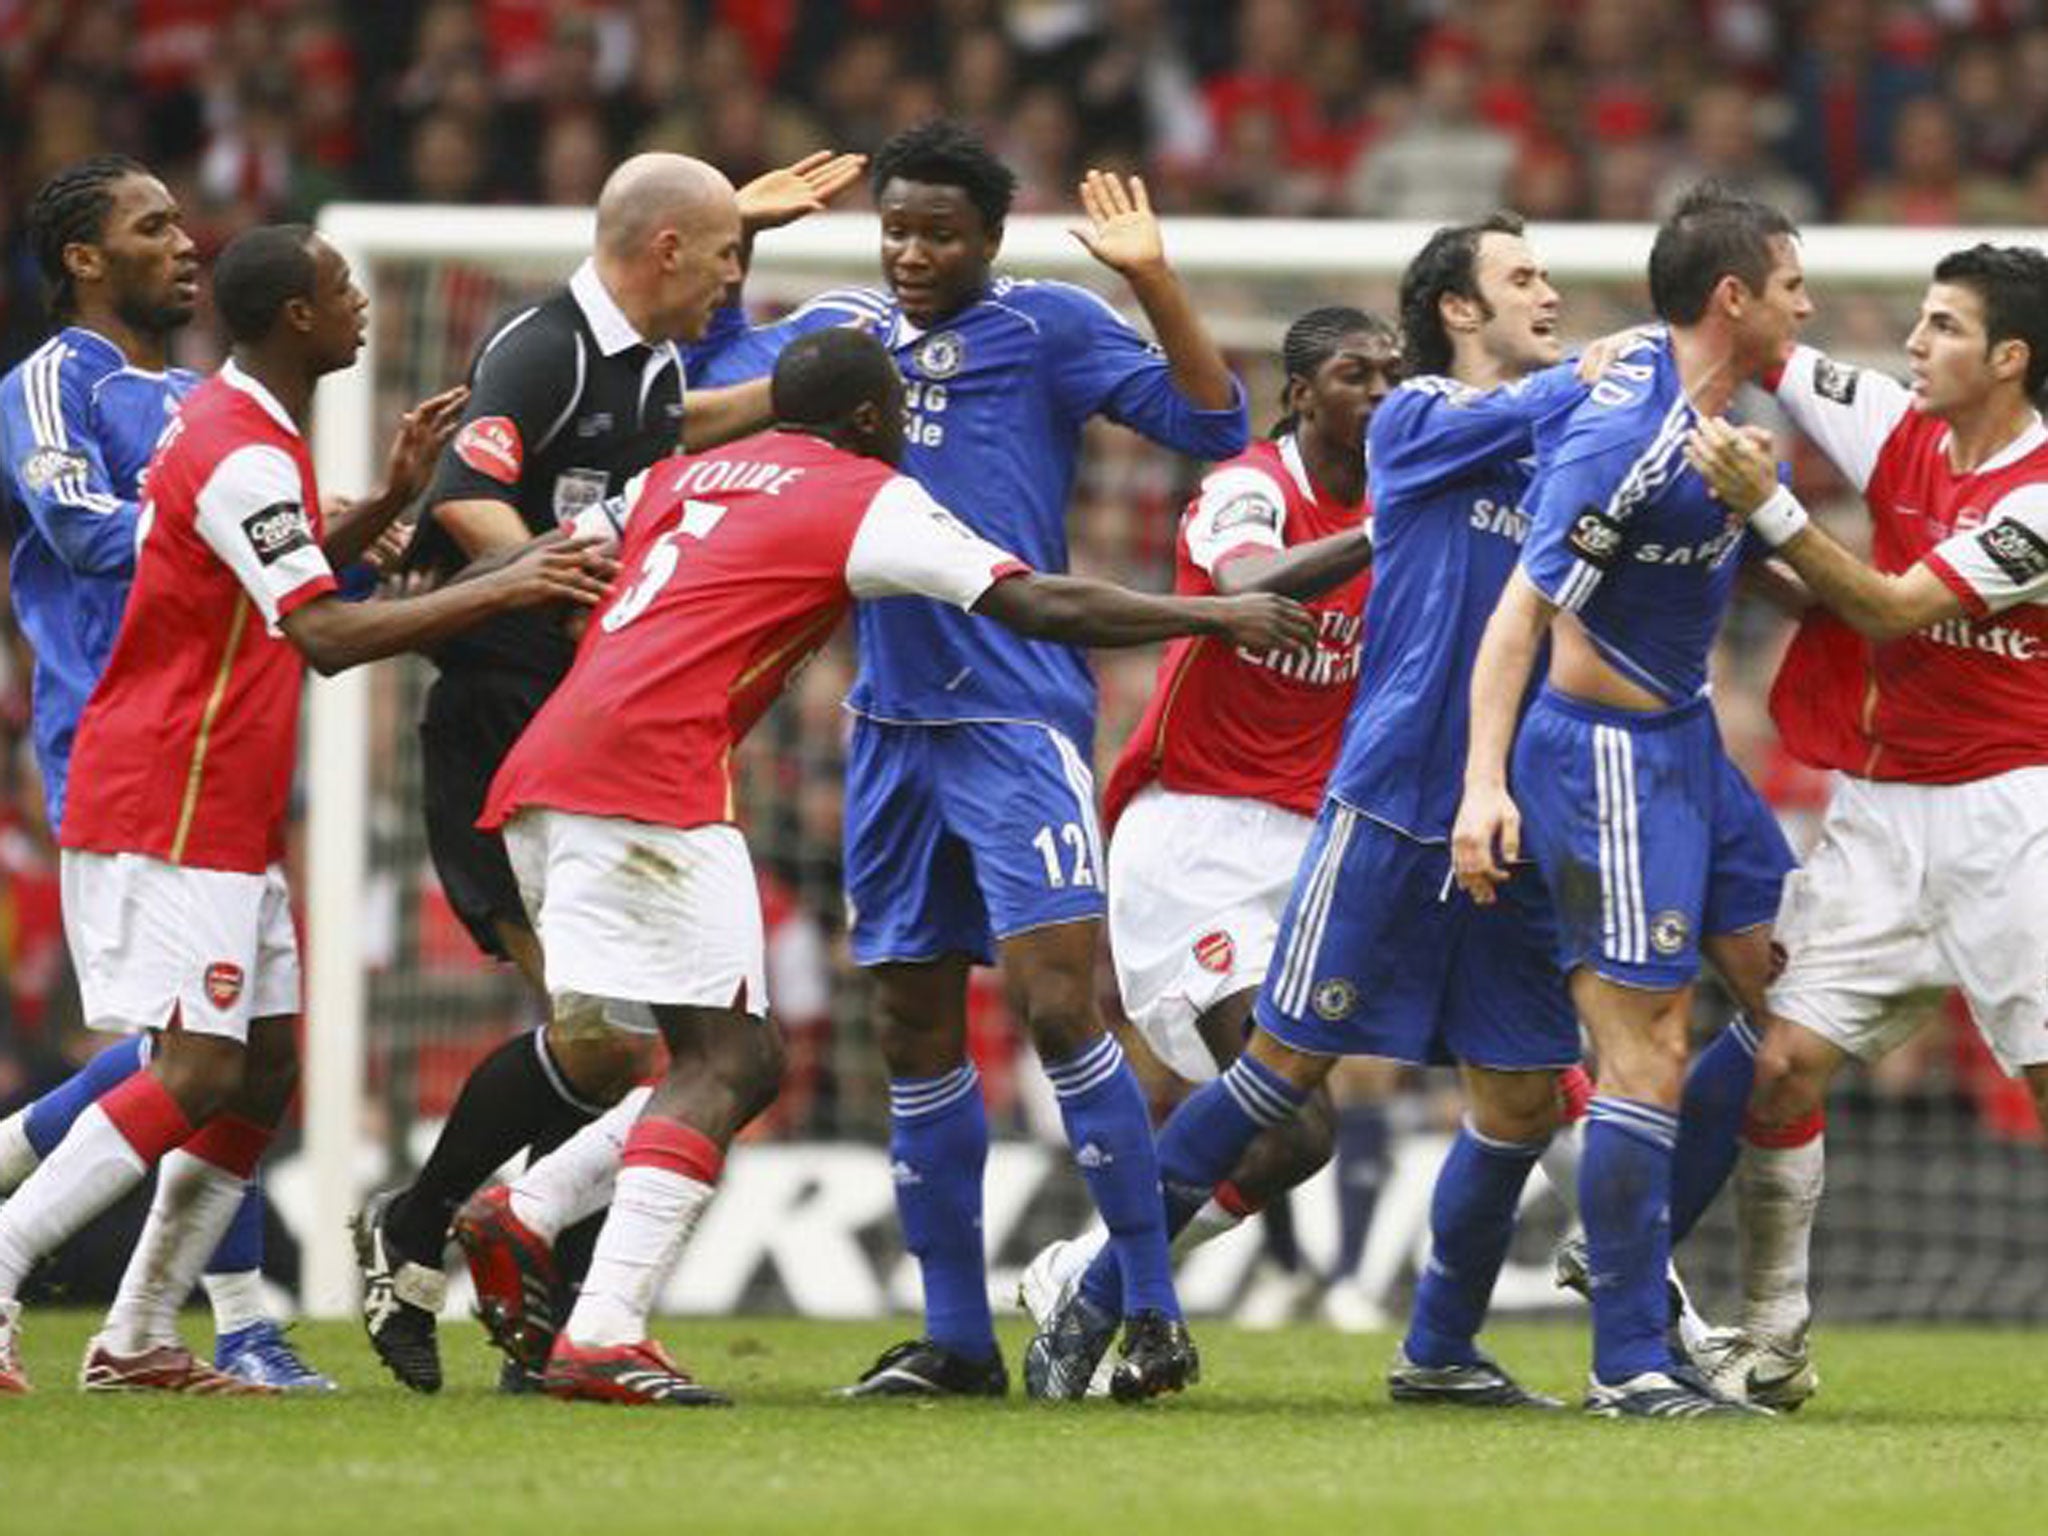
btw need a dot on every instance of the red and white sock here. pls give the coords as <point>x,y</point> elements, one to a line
<point>198,1188</point>
<point>576,1179</point>
<point>1224,1211</point>
<point>106,1153</point>
<point>1778,1184</point>
<point>666,1178</point>
<point>1560,1160</point>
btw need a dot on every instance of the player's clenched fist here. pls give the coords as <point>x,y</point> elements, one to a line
<point>1262,621</point>
<point>1485,840</point>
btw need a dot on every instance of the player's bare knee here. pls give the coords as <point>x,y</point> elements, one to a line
<point>756,1067</point>
<point>270,1076</point>
<point>601,1063</point>
<point>1520,1107</point>
<point>203,1073</point>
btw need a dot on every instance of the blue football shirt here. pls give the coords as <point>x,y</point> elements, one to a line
<point>1450,465</point>
<point>1626,536</point>
<point>77,428</point>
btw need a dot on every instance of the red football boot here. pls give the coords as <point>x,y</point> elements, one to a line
<point>639,1373</point>
<point>516,1280</point>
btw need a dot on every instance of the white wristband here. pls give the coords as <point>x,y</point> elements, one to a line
<point>1780,520</point>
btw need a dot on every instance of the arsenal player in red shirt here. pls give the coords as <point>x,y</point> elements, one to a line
<point>1925,686</point>
<point>617,808</point>
<point>175,902</point>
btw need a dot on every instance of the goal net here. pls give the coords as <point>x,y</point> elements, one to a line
<point>1935,1192</point>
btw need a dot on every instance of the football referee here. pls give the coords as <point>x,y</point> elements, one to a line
<point>570,397</point>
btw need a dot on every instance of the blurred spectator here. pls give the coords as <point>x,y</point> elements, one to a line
<point>1847,85</point>
<point>1722,142</point>
<point>1929,184</point>
<point>446,160</point>
<point>1443,162</point>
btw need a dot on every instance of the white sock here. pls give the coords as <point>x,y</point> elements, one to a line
<point>1211,1221</point>
<point>91,1168</point>
<point>237,1300</point>
<point>195,1201</point>
<point>653,1212</point>
<point>1778,1191</point>
<point>1560,1164</point>
<point>575,1180</point>
<point>17,1157</point>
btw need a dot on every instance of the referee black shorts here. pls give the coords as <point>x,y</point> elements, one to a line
<point>470,722</point>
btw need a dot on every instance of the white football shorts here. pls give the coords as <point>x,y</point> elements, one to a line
<point>215,947</point>
<point>1197,884</point>
<point>633,914</point>
<point>1913,889</point>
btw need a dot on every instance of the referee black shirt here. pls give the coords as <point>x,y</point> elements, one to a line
<point>567,403</point>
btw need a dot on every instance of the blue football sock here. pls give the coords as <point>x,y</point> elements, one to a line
<point>51,1115</point>
<point>241,1247</point>
<point>938,1147</point>
<point>1111,1134</point>
<point>1361,1170</point>
<point>1710,1120</point>
<point>1200,1143</point>
<point>1471,1222</point>
<point>1625,1200</point>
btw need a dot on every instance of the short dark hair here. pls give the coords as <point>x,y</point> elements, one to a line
<point>822,376</point>
<point>1312,340</point>
<point>259,272</point>
<point>71,208</point>
<point>2012,283</point>
<point>1712,234</point>
<point>1448,263</point>
<point>941,153</point>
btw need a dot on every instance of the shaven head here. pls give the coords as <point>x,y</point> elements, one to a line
<point>668,244</point>
<point>841,384</point>
<point>653,192</point>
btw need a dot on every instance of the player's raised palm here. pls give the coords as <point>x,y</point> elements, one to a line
<point>782,196</point>
<point>1122,232</point>
<point>423,432</point>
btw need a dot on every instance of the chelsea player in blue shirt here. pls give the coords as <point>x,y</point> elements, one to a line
<point>79,419</point>
<point>1376,955</point>
<point>970,814</point>
<point>1654,847</point>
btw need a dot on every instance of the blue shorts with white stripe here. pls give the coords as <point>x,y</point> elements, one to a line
<point>1649,838</point>
<point>1380,954</point>
<point>958,835</point>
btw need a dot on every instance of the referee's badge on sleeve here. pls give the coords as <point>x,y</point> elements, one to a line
<point>491,446</point>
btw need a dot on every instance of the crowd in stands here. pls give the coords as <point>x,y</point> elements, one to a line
<point>258,110</point>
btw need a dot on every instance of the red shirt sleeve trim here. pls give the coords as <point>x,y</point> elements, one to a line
<point>1008,569</point>
<point>304,593</point>
<point>1776,376</point>
<point>1973,602</point>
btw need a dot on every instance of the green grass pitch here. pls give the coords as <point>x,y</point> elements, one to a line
<point>1915,1430</point>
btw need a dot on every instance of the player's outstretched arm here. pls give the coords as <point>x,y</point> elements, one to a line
<point>334,635</point>
<point>423,432</point>
<point>1123,234</point>
<point>715,416</point>
<point>1304,572</point>
<point>1079,611</point>
<point>1739,465</point>
<point>1487,836</point>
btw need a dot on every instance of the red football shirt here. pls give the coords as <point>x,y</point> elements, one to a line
<point>186,748</point>
<point>1967,698</point>
<point>1229,721</point>
<point>736,566</point>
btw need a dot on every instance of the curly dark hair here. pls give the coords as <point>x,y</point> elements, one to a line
<point>944,154</point>
<point>71,208</point>
<point>1448,263</point>
<point>2012,282</point>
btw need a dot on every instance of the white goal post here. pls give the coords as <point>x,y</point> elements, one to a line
<point>349,437</point>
